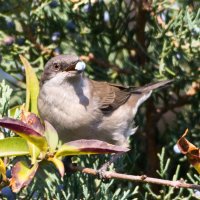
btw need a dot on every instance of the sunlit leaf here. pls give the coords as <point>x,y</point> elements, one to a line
<point>2,169</point>
<point>59,165</point>
<point>25,131</point>
<point>13,146</point>
<point>22,175</point>
<point>32,86</point>
<point>51,135</point>
<point>34,122</point>
<point>83,147</point>
<point>190,150</point>
<point>13,110</point>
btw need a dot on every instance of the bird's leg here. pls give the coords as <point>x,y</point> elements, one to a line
<point>101,171</point>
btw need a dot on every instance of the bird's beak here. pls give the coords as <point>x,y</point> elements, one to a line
<point>79,67</point>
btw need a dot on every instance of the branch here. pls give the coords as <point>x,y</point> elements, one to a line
<point>143,178</point>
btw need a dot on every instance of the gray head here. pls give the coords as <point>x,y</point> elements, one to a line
<point>62,67</point>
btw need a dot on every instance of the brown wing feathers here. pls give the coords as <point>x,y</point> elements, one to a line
<point>111,96</point>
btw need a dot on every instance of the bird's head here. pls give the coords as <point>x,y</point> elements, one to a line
<point>62,68</point>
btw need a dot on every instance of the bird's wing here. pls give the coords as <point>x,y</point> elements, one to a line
<point>110,96</point>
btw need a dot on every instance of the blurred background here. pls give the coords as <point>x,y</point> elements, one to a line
<point>131,42</point>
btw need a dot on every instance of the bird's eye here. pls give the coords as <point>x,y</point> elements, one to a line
<point>56,67</point>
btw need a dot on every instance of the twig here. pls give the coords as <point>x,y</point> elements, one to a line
<point>142,178</point>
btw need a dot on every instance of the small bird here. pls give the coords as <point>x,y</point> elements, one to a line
<point>81,108</point>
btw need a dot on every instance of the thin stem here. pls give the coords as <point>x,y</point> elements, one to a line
<point>143,178</point>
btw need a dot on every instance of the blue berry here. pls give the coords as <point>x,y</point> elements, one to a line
<point>10,24</point>
<point>55,36</point>
<point>57,51</point>
<point>8,173</point>
<point>106,16</point>
<point>87,8</point>
<point>20,41</point>
<point>7,192</point>
<point>53,4</point>
<point>71,26</point>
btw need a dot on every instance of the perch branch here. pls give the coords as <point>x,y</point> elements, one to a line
<point>142,178</point>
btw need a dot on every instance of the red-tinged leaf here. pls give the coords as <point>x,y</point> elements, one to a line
<point>33,121</point>
<point>32,86</point>
<point>59,165</point>
<point>190,150</point>
<point>13,146</point>
<point>18,126</point>
<point>25,131</point>
<point>51,136</point>
<point>3,170</point>
<point>22,175</point>
<point>83,147</point>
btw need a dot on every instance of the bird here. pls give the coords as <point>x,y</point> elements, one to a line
<point>81,108</point>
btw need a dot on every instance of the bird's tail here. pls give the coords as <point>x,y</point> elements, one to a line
<point>153,86</point>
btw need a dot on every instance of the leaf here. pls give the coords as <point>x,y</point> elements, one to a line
<point>51,135</point>
<point>34,122</point>
<point>3,170</point>
<point>32,86</point>
<point>25,131</point>
<point>13,110</point>
<point>22,175</point>
<point>13,146</point>
<point>83,147</point>
<point>59,165</point>
<point>34,152</point>
<point>190,150</point>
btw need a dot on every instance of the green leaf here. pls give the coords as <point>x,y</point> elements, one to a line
<point>83,147</point>
<point>51,136</point>
<point>22,175</point>
<point>25,131</point>
<point>32,86</point>
<point>34,152</point>
<point>13,146</point>
<point>59,165</point>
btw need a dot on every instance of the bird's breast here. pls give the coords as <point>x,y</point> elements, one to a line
<point>67,109</point>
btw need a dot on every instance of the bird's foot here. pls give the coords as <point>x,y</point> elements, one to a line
<point>103,175</point>
<point>102,172</point>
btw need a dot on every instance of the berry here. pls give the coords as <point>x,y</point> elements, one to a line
<point>176,149</point>
<point>57,51</point>
<point>178,56</point>
<point>8,173</point>
<point>53,4</point>
<point>20,41</point>
<point>10,24</point>
<point>197,193</point>
<point>55,36</point>
<point>106,16</point>
<point>87,8</point>
<point>71,26</point>
<point>7,192</point>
